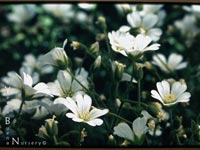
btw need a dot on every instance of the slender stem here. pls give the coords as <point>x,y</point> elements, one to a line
<point>54,140</point>
<point>135,102</point>
<point>20,108</point>
<point>171,120</point>
<point>139,93</point>
<point>117,116</point>
<point>179,143</point>
<point>77,80</point>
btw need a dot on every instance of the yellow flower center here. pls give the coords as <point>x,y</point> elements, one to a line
<point>169,98</point>
<point>84,115</point>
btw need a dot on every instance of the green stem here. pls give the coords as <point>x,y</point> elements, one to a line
<point>135,102</point>
<point>117,116</point>
<point>139,93</point>
<point>171,120</point>
<point>179,143</point>
<point>54,140</point>
<point>20,108</point>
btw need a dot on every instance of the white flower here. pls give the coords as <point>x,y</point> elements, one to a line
<point>187,26</point>
<point>121,41</point>
<point>34,107</point>
<point>16,84</point>
<point>66,86</point>
<point>63,11</point>
<point>56,57</point>
<point>170,94</point>
<point>22,13</point>
<point>173,63</point>
<point>141,45</point>
<point>145,24</point>
<point>32,66</point>
<point>87,6</point>
<point>127,44</point>
<point>135,134</point>
<point>82,110</point>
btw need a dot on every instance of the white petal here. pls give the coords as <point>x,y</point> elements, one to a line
<point>124,28</point>
<point>139,126</point>
<point>97,113</point>
<point>87,102</point>
<point>134,19</point>
<point>61,100</point>
<point>127,77</point>
<point>70,104</point>
<point>64,80</point>
<point>155,95</point>
<point>174,59</point>
<point>124,131</point>
<point>80,103</point>
<point>141,42</point>
<point>160,89</point>
<point>166,87</point>
<point>29,91</point>
<point>149,21</point>
<point>70,115</point>
<point>95,122</point>
<point>181,90</point>
<point>175,88</point>
<point>42,88</point>
<point>27,79</point>
<point>155,33</point>
<point>181,65</point>
<point>184,97</point>
<point>153,47</point>
<point>55,88</point>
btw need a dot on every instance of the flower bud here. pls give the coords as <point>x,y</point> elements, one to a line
<point>154,111</point>
<point>50,128</point>
<point>100,37</point>
<point>157,105</point>
<point>139,70</point>
<point>151,124</point>
<point>43,132</point>
<point>83,134</point>
<point>97,62</point>
<point>75,45</point>
<point>56,57</point>
<point>94,48</point>
<point>102,22</point>
<point>119,69</point>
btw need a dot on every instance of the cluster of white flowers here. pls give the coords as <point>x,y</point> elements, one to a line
<point>72,89</point>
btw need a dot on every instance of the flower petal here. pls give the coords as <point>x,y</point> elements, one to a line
<point>94,113</point>
<point>124,131</point>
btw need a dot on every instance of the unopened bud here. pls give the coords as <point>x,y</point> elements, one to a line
<point>94,48</point>
<point>149,66</point>
<point>125,143</point>
<point>75,45</point>
<point>100,37</point>
<point>102,22</point>
<point>97,62</point>
<point>157,105</point>
<point>119,69</point>
<point>151,124</point>
<point>182,81</point>
<point>139,70</point>
<point>83,134</point>
<point>118,102</point>
<point>51,126</point>
<point>154,111</point>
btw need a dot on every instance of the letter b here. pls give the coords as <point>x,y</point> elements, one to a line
<point>7,120</point>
